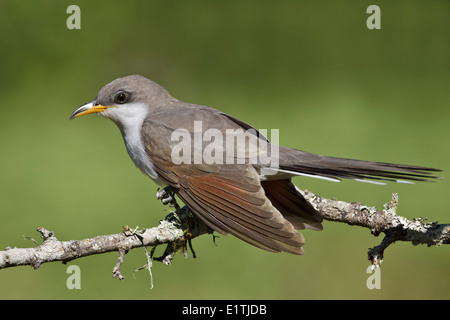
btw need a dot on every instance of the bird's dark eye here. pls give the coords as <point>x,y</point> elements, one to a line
<point>121,97</point>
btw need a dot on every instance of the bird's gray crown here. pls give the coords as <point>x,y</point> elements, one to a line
<point>137,88</point>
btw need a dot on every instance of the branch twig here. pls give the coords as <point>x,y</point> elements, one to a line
<point>395,227</point>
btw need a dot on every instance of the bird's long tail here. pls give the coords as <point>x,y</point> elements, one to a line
<point>299,162</point>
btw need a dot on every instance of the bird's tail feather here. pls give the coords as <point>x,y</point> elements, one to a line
<point>303,163</point>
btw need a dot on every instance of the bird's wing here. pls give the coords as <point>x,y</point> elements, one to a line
<point>230,199</point>
<point>227,197</point>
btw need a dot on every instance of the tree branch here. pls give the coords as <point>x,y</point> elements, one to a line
<point>180,227</point>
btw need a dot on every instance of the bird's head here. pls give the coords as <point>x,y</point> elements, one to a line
<point>125,99</point>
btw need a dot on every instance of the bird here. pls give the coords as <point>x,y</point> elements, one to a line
<point>234,189</point>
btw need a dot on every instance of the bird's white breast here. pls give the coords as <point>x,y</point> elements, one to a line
<point>130,121</point>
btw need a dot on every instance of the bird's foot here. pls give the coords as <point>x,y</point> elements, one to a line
<point>167,196</point>
<point>191,225</point>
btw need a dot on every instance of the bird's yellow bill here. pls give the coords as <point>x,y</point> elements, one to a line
<point>91,107</point>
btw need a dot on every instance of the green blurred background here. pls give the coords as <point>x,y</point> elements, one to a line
<point>311,69</point>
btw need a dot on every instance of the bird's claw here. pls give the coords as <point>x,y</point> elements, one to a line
<point>165,195</point>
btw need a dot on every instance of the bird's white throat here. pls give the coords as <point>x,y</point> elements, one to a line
<point>129,118</point>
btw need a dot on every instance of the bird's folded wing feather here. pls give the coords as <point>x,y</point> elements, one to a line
<point>236,203</point>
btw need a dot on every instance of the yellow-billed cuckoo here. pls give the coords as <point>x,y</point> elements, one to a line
<point>251,199</point>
